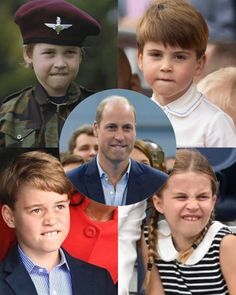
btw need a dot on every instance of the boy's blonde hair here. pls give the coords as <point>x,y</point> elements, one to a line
<point>173,23</point>
<point>37,169</point>
<point>220,88</point>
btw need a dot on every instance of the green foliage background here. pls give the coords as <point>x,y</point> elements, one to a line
<point>98,69</point>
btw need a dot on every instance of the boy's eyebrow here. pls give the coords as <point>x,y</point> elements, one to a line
<point>40,204</point>
<point>185,51</point>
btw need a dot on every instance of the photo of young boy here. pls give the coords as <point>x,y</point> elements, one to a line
<point>35,196</point>
<point>52,47</point>
<point>172,38</point>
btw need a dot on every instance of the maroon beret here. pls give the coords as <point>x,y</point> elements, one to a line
<point>54,22</point>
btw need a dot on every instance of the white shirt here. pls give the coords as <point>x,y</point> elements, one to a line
<point>129,232</point>
<point>114,196</point>
<point>199,123</point>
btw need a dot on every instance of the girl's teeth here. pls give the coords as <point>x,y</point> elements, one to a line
<point>191,218</point>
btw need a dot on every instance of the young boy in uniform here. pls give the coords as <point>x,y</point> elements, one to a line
<point>35,201</point>
<point>172,38</point>
<point>53,32</point>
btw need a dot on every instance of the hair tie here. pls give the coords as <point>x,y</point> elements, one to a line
<point>149,266</point>
<point>160,6</point>
<point>194,246</point>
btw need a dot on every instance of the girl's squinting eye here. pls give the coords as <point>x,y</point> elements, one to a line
<point>203,197</point>
<point>181,197</point>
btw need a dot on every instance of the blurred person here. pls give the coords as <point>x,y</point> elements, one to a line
<point>84,143</point>
<point>220,17</point>
<point>126,79</point>
<point>169,164</point>
<point>218,55</point>
<point>52,48</point>
<point>142,153</point>
<point>93,235</point>
<point>172,38</point>
<point>70,162</point>
<point>35,196</point>
<point>130,12</point>
<point>219,87</point>
<point>112,178</point>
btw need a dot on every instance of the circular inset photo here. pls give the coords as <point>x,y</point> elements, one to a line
<point>113,147</point>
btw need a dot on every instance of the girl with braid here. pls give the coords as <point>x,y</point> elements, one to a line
<point>188,252</point>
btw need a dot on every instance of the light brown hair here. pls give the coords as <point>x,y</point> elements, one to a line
<point>144,147</point>
<point>220,88</point>
<point>67,159</point>
<point>84,129</point>
<point>112,98</point>
<point>37,169</point>
<point>173,23</point>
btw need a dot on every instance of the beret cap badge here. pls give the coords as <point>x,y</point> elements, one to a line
<point>58,27</point>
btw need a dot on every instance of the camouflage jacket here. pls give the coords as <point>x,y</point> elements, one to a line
<point>29,119</point>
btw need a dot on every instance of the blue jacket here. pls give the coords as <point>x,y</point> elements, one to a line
<point>142,183</point>
<point>87,279</point>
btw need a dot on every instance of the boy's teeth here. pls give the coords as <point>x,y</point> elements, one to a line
<point>50,234</point>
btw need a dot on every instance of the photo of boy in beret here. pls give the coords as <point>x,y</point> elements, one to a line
<point>35,195</point>
<point>53,33</point>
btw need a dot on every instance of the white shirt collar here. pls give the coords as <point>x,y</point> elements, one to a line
<point>185,104</point>
<point>166,248</point>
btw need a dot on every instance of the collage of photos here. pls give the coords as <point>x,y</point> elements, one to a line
<point>118,147</point>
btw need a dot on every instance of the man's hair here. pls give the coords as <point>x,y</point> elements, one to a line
<point>84,129</point>
<point>36,169</point>
<point>173,23</point>
<point>67,159</point>
<point>112,98</point>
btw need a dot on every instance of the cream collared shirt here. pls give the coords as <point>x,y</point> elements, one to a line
<point>199,123</point>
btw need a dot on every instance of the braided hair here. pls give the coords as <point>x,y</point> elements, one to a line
<point>187,160</point>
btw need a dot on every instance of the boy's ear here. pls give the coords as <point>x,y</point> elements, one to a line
<point>200,65</point>
<point>27,55</point>
<point>136,83</point>
<point>157,202</point>
<point>8,216</point>
<point>140,59</point>
<point>95,129</point>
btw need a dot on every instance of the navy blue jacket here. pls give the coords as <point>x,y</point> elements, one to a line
<point>142,183</point>
<point>87,279</point>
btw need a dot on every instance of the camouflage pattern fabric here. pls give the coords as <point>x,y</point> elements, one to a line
<point>29,119</point>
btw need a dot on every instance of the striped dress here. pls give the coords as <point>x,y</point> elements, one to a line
<point>201,274</point>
